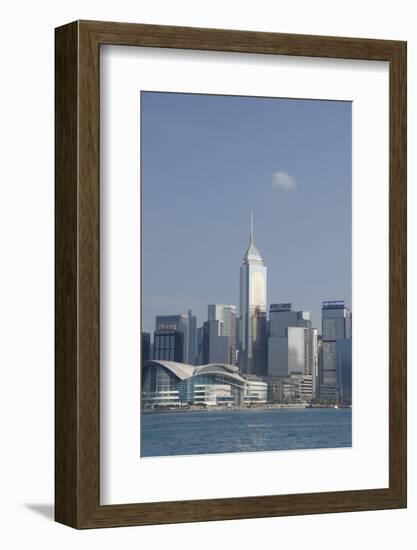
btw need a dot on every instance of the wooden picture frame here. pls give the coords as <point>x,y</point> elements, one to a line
<point>77,372</point>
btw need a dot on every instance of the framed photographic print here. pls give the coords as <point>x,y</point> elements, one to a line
<point>230,274</point>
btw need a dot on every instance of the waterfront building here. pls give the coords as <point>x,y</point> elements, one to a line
<point>297,388</point>
<point>275,394</point>
<point>315,370</point>
<point>192,338</point>
<point>252,312</point>
<point>293,388</point>
<point>336,325</point>
<point>172,384</point>
<point>173,323</point>
<point>145,349</point>
<point>215,343</point>
<point>320,364</point>
<point>344,369</point>
<point>328,393</point>
<point>160,383</point>
<point>292,342</point>
<point>256,390</point>
<point>227,315</point>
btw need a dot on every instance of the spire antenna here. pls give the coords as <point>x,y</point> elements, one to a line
<point>251,226</point>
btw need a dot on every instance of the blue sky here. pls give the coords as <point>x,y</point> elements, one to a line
<point>207,161</point>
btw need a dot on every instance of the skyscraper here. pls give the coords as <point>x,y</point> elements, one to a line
<point>192,338</point>
<point>281,318</point>
<point>226,314</point>
<point>252,312</point>
<point>145,346</point>
<point>315,371</point>
<point>344,369</point>
<point>168,345</point>
<point>336,325</point>
<point>172,323</point>
<point>200,334</point>
<point>287,354</point>
<point>215,343</point>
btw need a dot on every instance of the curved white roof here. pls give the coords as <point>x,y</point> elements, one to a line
<point>216,366</point>
<point>181,370</point>
<point>228,371</point>
<point>184,371</point>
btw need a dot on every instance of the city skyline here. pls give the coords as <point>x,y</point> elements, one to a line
<point>252,260</point>
<point>200,320</point>
<point>191,254</point>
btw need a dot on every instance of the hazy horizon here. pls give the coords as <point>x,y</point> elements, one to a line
<point>207,162</point>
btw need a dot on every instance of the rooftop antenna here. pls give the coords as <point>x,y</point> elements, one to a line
<point>251,226</point>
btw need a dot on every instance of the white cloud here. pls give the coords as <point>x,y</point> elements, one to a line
<point>283,180</point>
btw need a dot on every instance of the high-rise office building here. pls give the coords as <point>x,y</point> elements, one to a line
<point>336,325</point>
<point>227,315</point>
<point>252,312</point>
<point>145,351</point>
<point>287,353</point>
<point>192,338</point>
<point>344,369</point>
<point>215,343</point>
<point>281,316</point>
<point>237,332</point>
<point>292,345</point>
<point>315,370</point>
<point>168,346</point>
<point>172,323</point>
<point>200,333</point>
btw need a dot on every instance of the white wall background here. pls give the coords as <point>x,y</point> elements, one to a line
<point>26,272</point>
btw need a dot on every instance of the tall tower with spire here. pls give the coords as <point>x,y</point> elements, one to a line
<point>252,311</point>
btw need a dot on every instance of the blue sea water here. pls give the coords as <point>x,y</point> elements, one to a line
<point>244,430</point>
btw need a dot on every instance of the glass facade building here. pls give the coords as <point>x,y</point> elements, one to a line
<point>215,343</point>
<point>292,342</point>
<point>344,369</point>
<point>145,351</point>
<point>168,345</point>
<point>336,325</point>
<point>227,315</point>
<point>297,388</point>
<point>171,384</point>
<point>296,337</point>
<point>192,338</point>
<point>281,316</point>
<point>315,370</point>
<point>252,313</point>
<point>159,386</point>
<point>171,323</point>
<point>293,388</point>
